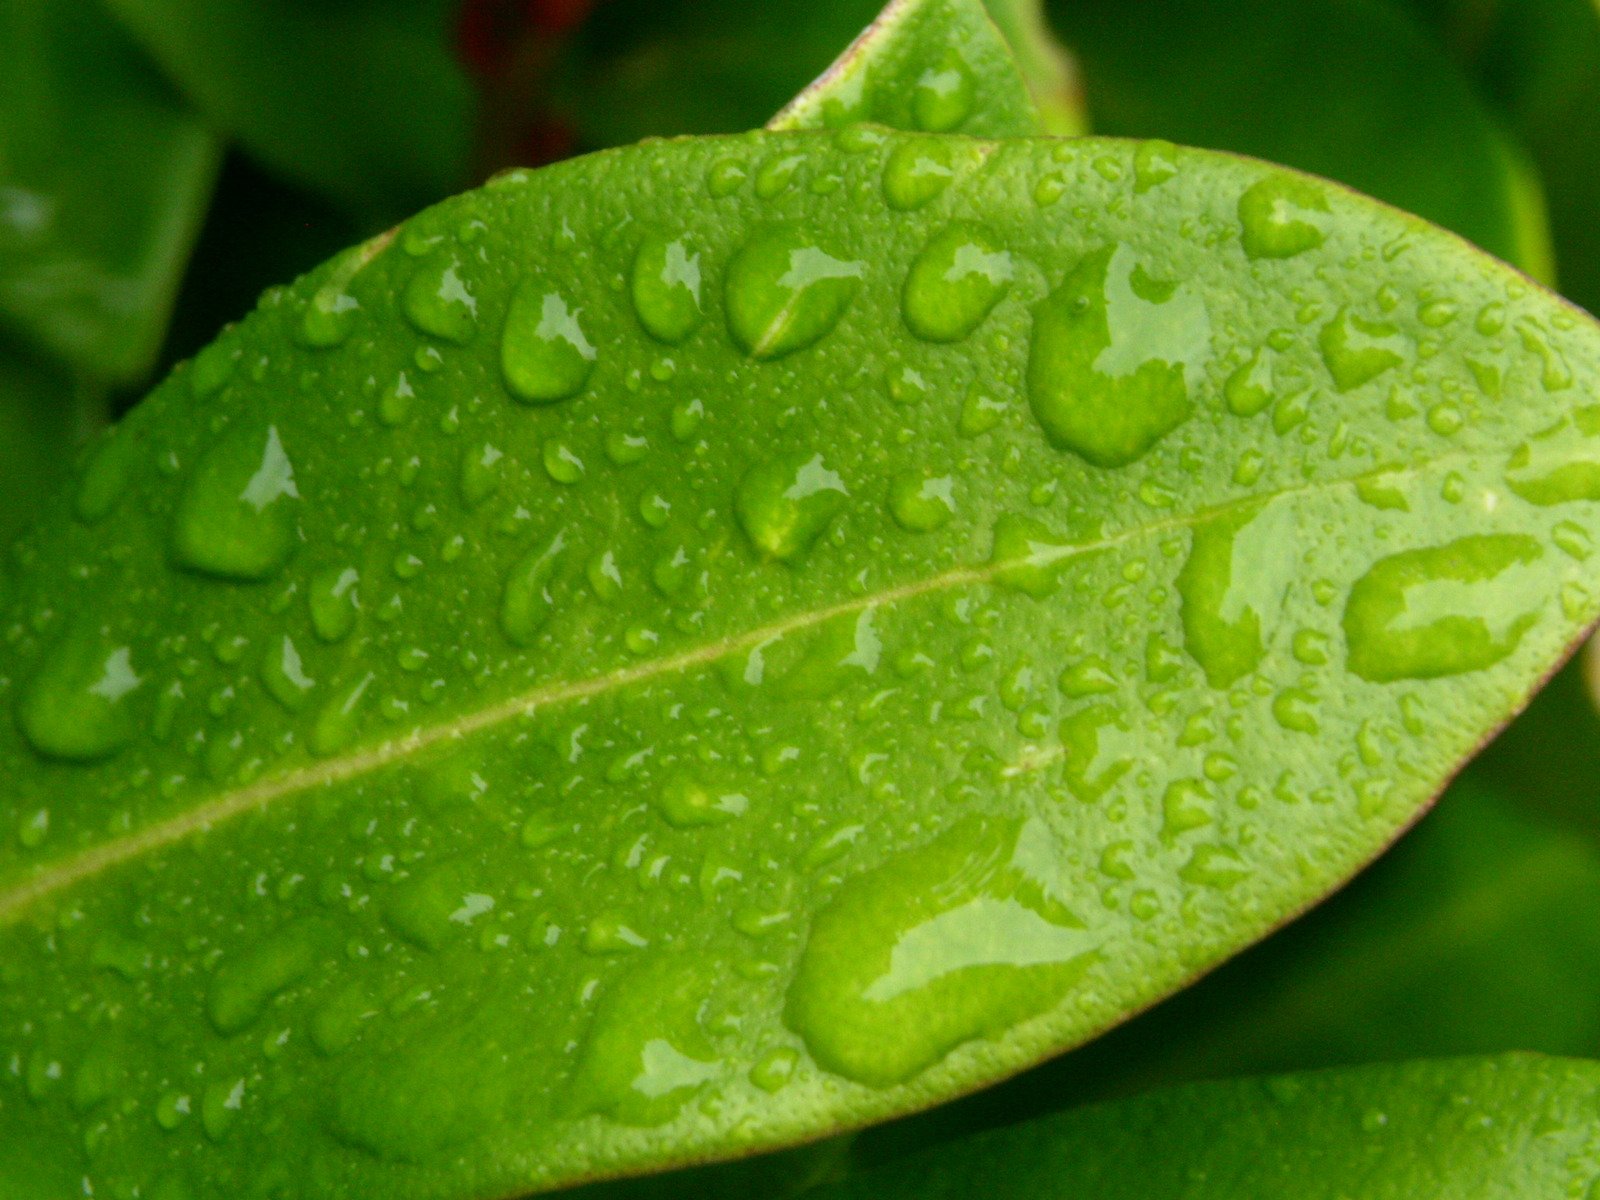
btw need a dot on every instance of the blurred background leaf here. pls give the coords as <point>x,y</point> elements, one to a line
<point>1351,89</point>
<point>362,101</point>
<point>43,415</point>
<point>104,180</point>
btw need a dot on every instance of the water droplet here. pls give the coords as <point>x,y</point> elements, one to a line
<point>438,905</point>
<point>1115,352</point>
<point>329,317</point>
<point>644,1055</point>
<point>1357,350</point>
<point>339,721</point>
<point>544,353</point>
<point>917,172</point>
<point>1232,584</point>
<point>245,983</point>
<point>774,1069</point>
<point>785,505</point>
<point>1213,865</point>
<point>335,602</point>
<point>438,302</point>
<point>688,804</point>
<point>79,706</point>
<point>1090,676</point>
<point>1283,215</point>
<point>1249,390</point>
<point>1295,709</point>
<point>1560,465</point>
<point>921,503</point>
<point>106,477</point>
<point>943,96</point>
<point>480,474</point>
<point>785,293</point>
<point>1186,805</point>
<point>955,283</point>
<point>957,940</point>
<point>666,288</point>
<point>283,674</point>
<point>561,463</point>
<point>1445,610</point>
<point>1097,750</point>
<point>236,518</point>
<point>1028,555</point>
<point>213,367</point>
<point>527,603</point>
<point>1154,162</point>
<point>220,1105</point>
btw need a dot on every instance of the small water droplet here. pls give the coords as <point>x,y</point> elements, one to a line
<point>544,354</point>
<point>1560,465</point>
<point>922,503</point>
<point>1115,352</point>
<point>437,301</point>
<point>106,477</point>
<point>666,288</point>
<point>785,505</point>
<point>438,905</point>
<point>1249,390</point>
<point>338,723</point>
<point>784,292</point>
<point>334,600</point>
<point>220,1106</point>
<point>244,983</point>
<point>283,674</point>
<point>1283,215</point>
<point>561,463</point>
<point>943,96</point>
<point>955,283</point>
<point>1027,555</point>
<point>527,604</point>
<point>688,804</point>
<point>236,518</point>
<point>1154,162</point>
<point>917,172</point>
<point>1186,805</point>
<point>1444,610</point>
<point>1098,750</point>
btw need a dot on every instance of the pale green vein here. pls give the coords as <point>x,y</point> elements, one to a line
<point>62,875</point>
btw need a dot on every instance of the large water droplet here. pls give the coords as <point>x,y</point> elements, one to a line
<point>544,353</point>
<point>784,292</point>
<point>644,1055</point>
<point>438,905</point>
<point>79,705</point>
<point>244,984</point>
<point>785,505</point>
<point>1282,216</point>
<point>666,288</point>
<point>437,301</point>
<point>954,941</point>
<point>1560,465</point>
<point>955,283</point>
<point>1357,350</point>
<point>1115,354</point>
<point>943,96</point>
<point>1445,610</point>
<point>917,172</point>
<point>1232,584</point>
<point>236,518</point>
<point>527,603</point>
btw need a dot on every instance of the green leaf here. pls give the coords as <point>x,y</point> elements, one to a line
<point>931,65</point>
<point>748,60</point>
<point>1539,60</point>
<point>362,102</point>
<point>582,686</point>
<point>104,178</point>
<point>40,415</point>
<point>1349,89</point>
<point>1518,1127</point>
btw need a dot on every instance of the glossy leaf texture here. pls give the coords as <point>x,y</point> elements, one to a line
<point>597,682</point>
<point>360,102</point>
<point>931,66</point>
<point>1407,127</point>
<point>1472,936</point>
<point>104,179</point>
<point>748,61</point>
<point>1512,1128</point>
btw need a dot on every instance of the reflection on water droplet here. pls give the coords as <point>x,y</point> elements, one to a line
<point>921,503</point>
<point>1283,215</point>
<point>1445,610</point>
<point>955,283</point>
<point>1357,350</point>
<point>544,354</point>
<point>236,518</point>
<point>784,292</point>
<point>1232,584</point>
<point>960,939</point>
<point>784,506</point>
<point>1115,354</point>
<point>666,288</point>
<point>79,706</point>
<point>917,172</point>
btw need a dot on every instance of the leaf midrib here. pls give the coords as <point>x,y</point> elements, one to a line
<point>48,880</point>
